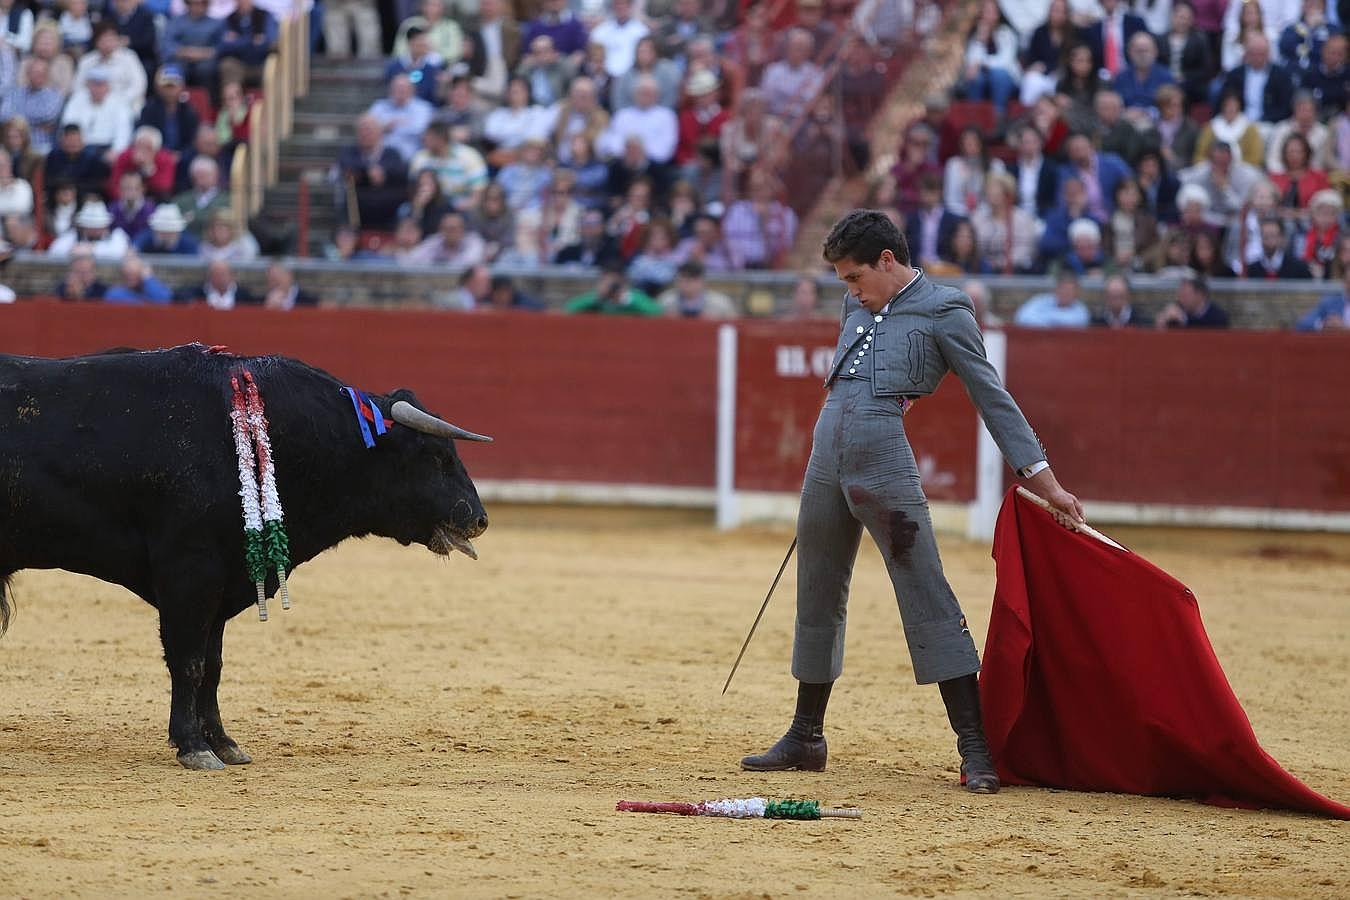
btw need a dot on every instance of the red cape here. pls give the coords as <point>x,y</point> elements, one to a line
<point>1098,676</point>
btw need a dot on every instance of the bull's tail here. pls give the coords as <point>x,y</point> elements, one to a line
<point>6,610</point>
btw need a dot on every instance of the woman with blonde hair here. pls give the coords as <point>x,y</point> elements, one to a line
<point>17,138</point>
<point>47,46</point>
<point>1250,20</point>
<point>1006,233</point>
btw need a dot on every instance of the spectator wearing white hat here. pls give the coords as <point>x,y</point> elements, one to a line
<point>105,121</point>
<point>702,120</point>
<point>126,75</point>
<point>166,232</point>
<point>93,226</point>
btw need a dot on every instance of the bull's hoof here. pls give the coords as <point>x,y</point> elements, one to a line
<point>231,755</point>
<point>201,760</point>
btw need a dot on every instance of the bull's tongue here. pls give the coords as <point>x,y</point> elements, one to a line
<point>463,545</point>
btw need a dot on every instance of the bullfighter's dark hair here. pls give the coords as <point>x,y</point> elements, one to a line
<point>862,235</point>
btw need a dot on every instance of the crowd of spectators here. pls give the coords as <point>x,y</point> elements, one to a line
<point>120,119</point>
<point>1202,139</point>
<point>647,140</point>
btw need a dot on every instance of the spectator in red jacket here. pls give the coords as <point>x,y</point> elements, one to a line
<point>702,120</point>
<point>147,156</point>
<point>1299,180</point>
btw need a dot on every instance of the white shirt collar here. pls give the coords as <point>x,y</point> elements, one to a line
<point>885,310</point>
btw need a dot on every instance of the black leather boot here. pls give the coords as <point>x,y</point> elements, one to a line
<point>803,747</point>
<point>962,696</point>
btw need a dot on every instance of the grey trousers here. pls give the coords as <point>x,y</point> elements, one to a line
<point>862,474</point>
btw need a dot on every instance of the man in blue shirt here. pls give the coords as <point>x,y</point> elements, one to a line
<point>1333,310</point>
<point>1060,308</point>
<point>139,285</point>
<point>1140,80</point>
<point>250,37</point>
<point>420,64</point>
<point>190,40</point>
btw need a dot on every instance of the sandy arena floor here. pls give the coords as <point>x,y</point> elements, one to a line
<point>435,728</point>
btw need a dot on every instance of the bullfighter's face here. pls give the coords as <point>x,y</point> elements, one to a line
<point>874,285</point>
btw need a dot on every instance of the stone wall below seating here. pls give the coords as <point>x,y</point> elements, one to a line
<point>1251,304</point>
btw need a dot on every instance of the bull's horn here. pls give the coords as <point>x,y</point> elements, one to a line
<point>405,413</point>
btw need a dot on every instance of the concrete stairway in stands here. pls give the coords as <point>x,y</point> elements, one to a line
<point>941,58</point>
<point>325,121</point>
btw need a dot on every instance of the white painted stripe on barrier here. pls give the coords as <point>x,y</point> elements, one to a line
<point>988,458</point>
<point>727,514</point>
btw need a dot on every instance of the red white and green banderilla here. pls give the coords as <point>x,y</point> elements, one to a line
<point>748,808</point>
<point>265,543</point>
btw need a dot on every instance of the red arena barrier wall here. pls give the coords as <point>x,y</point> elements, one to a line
<point>567,398</point>
<point>1235,418</point>
<point>1192,420</point>
<point>780,368</point>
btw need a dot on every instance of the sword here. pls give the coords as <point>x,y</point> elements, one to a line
<point>763,606</point>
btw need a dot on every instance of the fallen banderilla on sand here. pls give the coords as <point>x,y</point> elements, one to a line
<point>748,808</point>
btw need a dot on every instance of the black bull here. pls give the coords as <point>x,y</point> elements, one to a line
<point>122,466</point>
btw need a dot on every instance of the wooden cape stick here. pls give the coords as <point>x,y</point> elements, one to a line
<point>763,606</point>
<point>1084,527</point>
